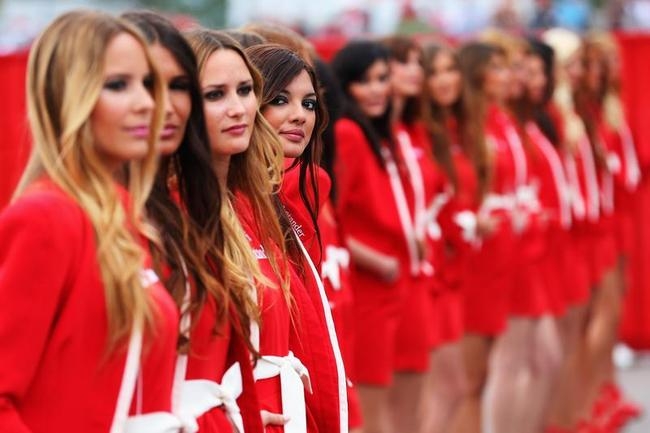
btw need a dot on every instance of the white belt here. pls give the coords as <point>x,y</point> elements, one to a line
<point>493,202</point>
<point>155,422</point>
<point>291,372</point>
<point>201,395</point>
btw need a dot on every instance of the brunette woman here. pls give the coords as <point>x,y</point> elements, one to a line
<point>211,290</point>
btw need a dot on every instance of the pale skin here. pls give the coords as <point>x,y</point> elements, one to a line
<point>122,116</point>
<point>371,94</point>
<point>230,107</point>
<point>446,380</point>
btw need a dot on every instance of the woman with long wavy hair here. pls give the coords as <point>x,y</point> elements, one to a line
<point>248,158</point>
<point>212,291</point>
<point>295,111</point>
<point>71,359</point>
<point>488,288</point>
<point>442,108</point>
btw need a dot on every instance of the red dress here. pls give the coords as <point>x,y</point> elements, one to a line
<point>418,329</point>
<point>459,245</point>
<point>548,177</point>
<point>62,352</point>
<point>491,284</point>
<point>315,337</point>
<point>275,320</point>
<point>577,284</point>
<point>368,213</point>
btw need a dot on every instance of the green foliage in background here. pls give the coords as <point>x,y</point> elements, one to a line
<point>211,13</point>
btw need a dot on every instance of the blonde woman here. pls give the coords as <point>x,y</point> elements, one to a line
<point>80,305</point>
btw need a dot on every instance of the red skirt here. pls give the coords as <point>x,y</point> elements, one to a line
<point>377,316</point>
<point>448,320</point>
<point>415,334</point>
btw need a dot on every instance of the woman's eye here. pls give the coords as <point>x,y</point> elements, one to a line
<point>245,90</point>
<point>213,95</point>
<point>115,84</point>
<point>148,82</point>
<point>181,85</point>
<point>279,100</point>
<point>309,104</point>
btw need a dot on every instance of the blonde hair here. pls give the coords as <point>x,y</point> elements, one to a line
<point>510,44</point>
<point>257,173</point>
<point>64,81</point>
<point>565,45</point>
<point>605,45</point>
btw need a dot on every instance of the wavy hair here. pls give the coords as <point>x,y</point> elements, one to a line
<point>257,172</point>
<point>474,59</point>
<point>434,116</point>
<point>64,81</point>
<point>195,238</point>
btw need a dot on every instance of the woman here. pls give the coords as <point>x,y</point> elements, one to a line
<point>528,354</point>
<point>185,204</point>
<point>291,105</point>
<point>94,104</point>
<point>443,116</point>
<point>569,407</point>
<point>417,333</point>
<point>619,173</point>
<point>497,160</point>
<point>378,232</point>
<point>248,162</point>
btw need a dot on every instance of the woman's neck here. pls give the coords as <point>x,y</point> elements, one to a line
<point>398,107</point>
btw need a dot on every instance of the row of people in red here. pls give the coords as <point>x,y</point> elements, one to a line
<point>476,191</point>
<point>177,162</point>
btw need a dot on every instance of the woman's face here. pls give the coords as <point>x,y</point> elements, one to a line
<point>517,74</point>
<point>594,71</point>
<point>229,102</point>
<point>575,69</point>
<point>292,114</point>
<point>372,91</point>
<point>178,103</point>
<point>537,79</point>
<point>121,118</point>
<point>406,77</point>
<point>444,81</point>
<point>497,79</point>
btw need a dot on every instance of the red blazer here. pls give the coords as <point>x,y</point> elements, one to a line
<point>54,370</point>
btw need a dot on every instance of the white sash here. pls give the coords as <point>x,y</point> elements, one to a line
<point>632,169</point>
<point>334,342</point>
<point>591,177</point>
<point>406,220</point>
<point>157,422</point>
<point>575,192</point>
<point>193,398</point>
<point>518,154</point>
<point>291,372</point>
<point>559,179</point>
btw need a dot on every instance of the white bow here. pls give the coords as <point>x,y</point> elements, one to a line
<point>200,396</point>
<point>335,259</point>
<point>292,373</point>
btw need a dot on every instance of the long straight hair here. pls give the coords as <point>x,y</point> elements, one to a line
<point>196,234</point>
<point>474,59</point>
<point>64,81</point>
<point>434,115</point>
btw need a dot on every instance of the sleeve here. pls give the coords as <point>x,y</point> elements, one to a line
<point>35,258</point>
<point>351,159</point>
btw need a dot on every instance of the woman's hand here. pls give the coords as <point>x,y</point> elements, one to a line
<point>269,418</point>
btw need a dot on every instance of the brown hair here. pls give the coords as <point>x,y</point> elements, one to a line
<point>474,59</point>
<point>399,47</point>
<point>434,116</point>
